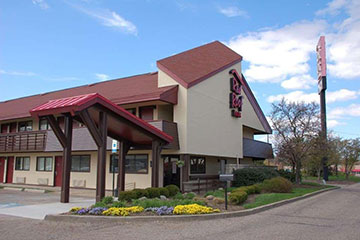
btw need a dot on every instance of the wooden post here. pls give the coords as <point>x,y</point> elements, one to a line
<point>65,185</point>
<point>123,150</point>
<point>156,151</point>
<point>185,170</point>
<point>101,164</point>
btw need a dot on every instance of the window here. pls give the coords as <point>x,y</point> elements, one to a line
<point>25,126</point>
<point>147,113</point>
<point>80,163</point>
<point>43,124</point>
<point>132,111</point>
<point>44,164</point>
<point>197,165</point>
<point>134,163</point>
<point>22,163</point>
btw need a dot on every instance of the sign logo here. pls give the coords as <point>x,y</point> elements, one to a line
<point>321,64</point>
<point>235,97</point>
<point>114,146</point>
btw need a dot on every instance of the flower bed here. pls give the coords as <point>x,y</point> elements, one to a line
<point>126,211</point>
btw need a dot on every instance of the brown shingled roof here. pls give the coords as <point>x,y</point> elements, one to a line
<point>133,89</point>
<point>197,64</point>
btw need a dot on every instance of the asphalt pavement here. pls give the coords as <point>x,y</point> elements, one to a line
<point>330,215</point>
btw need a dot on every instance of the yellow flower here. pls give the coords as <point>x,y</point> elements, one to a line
<point>194,209</point>
<point>123,211</point>
<point>75,209</point>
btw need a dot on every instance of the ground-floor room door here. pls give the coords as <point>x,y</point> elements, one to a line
<point>171,170</point>
<point>10,170</point>
<point>58,170</point>
<point>2,168</point>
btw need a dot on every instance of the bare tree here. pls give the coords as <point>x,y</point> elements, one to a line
<point>295,125</point>
<point>350,153</point>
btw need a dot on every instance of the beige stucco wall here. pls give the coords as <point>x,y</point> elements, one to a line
<point>32,176</point>
<point>205,124</point>
<point>180,109</point>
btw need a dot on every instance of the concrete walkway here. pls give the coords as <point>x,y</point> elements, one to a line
<point>37,205</point>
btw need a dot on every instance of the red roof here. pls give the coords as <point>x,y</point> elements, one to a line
<point>121,123</point>
<point>133,89</point>
<point>195,65</point>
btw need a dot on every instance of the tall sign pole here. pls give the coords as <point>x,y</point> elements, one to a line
<point>321,70</point>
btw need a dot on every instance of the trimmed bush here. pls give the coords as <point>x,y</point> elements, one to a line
<point>179,196</point>
<point>173,189</point>
<point>258,188</point>
<point>107,200</point>
<point>127,196</point>
<point>189,195</point>
<point>164,191</point>
<point>288,175</point>
<point>153,192</point>
<point>99,204</point>
<point>238,197</point>
<point>140,193</point>
<point>118,204</point>
<point>250,176</point>
<point>277,185</point>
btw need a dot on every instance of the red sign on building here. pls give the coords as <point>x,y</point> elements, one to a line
<point>321,64</point>
<point>235,97</point>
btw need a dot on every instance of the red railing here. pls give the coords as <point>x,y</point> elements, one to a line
<point>22,142</point>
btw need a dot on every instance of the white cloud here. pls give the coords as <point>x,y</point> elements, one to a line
<point>352,110</point>
<point>333,8</point>
<point>277,54</point>
<point>101,76</point>
<point>299,82</point>
<point>15,73</point>
<point>233,12</point>
<point>331,123</point>
<point>110,19</point>
<point>341,95</point>
<point>300,96</point>
<point>41,3</point>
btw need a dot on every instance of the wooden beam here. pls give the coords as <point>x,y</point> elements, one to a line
<point>101,166</point>
<point>65,185</point>
<point>55,126</point>
<point>156,151</point>
<point>123,150</point>
<point>90,124</point>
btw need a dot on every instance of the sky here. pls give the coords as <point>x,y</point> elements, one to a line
<point>47,45</point>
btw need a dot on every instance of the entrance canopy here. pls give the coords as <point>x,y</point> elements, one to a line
<point>102,118</point>
<point>122,125</point>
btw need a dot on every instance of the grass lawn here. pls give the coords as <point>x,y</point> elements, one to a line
<point>267,198</point>
<point>219,193</point>
<point>340,177</point>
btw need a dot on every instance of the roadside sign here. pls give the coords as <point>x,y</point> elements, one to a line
<point>114,146</point>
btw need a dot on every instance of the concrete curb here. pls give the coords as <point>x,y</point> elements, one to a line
<point>13,189</point>
<point>177,218</point>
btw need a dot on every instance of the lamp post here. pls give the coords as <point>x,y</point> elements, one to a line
<point>322,86</point>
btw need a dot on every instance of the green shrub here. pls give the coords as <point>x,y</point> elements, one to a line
<point>140,192</point>
<point>250,176</point>
<point>153,192</point>
<point>127,196</point>
<point>107,200</point>
<point>288,175</point>
<point>277,185</point>
<point>99,204</point>
<point>257,187</point>
<point>179,196</point>
<point>118,204</point>
<point>173,190</point>
<point>189,195</point>
<point>164,191</point>
<point>148,203</point>
<point>238,197</point>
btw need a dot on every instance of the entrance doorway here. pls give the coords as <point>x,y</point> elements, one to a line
<point>2,167</point>
<point>10,170</point>
<point>58,170</point>
<point>171,170</point>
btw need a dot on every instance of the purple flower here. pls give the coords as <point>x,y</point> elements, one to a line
<point>164,210</point>
<point>82,211</point>
<point>97,210</point>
